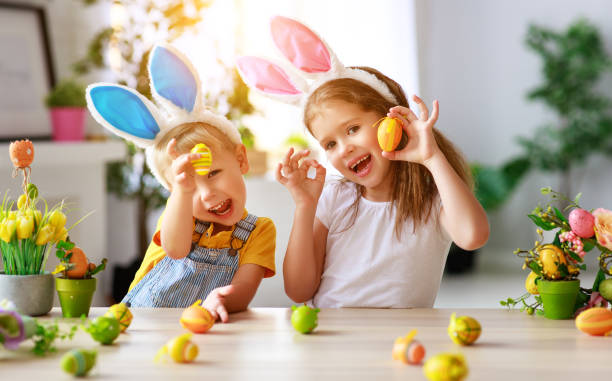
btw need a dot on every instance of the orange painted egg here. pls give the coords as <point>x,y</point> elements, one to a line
<point>196,318</point>
<point>389,133</point>
<point>595,321</point>
<point>407,350</point>
<point>22,153</point>
<point>81,264</point>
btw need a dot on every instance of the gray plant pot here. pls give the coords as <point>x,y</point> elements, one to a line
<point>32,294</point>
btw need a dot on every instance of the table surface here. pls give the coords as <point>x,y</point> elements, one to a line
<point>260,344</point>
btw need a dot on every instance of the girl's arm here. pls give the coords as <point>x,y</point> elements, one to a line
<point>461,215</point>
<point>303,262</point>
<point>177,225</point>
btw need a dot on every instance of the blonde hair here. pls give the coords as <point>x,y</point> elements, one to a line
<point>413,190</point>
<point>188,135</point>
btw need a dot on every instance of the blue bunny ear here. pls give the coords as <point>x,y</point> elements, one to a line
<point>124,112</point>
<point>173,78</point>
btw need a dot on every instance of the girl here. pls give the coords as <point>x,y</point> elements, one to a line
<point>207,246</point>
<point>380,236</point>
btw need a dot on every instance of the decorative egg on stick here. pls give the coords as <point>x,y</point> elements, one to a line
<point>22,155</point>
<point>202,165</point>
<point>408,350</point>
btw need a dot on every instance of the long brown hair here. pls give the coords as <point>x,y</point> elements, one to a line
<point>413,190</point>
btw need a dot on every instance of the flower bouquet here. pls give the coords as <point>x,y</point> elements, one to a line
<point>29,228</point>
<point>555,266</point>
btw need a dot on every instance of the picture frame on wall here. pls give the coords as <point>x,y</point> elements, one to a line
<point>26,72</point>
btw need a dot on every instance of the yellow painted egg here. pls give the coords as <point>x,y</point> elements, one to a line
<point>445,367</point>
<point>121,312</point>
<point>78,362</point>
<point>408,350</point>
<point>595,321</point>
<point>180,349</point>
<point>551,257</point>
<point>202,165</point>
<point>530,283</point>
<point>196,318</point>
<point>463,330</point>
<point>389,133</point>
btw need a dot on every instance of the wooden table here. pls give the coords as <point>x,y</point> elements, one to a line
<point>349,344</point>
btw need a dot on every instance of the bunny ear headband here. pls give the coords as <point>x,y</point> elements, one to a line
<point>177,91</point>
<point>315,62</point>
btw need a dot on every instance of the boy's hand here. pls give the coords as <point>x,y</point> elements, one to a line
<point>183,174</point>
<point>293,175</point>
<point>421,145</point>
<point>214,302</point>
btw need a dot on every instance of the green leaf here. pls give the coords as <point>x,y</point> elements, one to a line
<point>560,215</point>
<point>575,256</point>
<point>535,268</point>
<point>540,223</point>
<point>598,279</point>
<point>588,245</point>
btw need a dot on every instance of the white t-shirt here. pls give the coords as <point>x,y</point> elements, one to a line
<point>366,265</point>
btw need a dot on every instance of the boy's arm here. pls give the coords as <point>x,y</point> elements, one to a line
<point>177,225</point>
<point>245,284</point>
<point>303,263</point>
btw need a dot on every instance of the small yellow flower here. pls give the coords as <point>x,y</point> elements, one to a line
<point>25,226</point>
<point>60,234</point>
<point>539,231</point>
<point>45,234</point>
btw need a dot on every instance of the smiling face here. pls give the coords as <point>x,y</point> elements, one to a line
<point>220,196</point>
<point>345,131</point>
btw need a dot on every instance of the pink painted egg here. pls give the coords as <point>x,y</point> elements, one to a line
<point>582,223</point>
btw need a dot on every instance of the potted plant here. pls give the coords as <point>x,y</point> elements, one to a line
<point>76,284</point>
<point>28,230</point>
<point>67,104</point>
<point>555,266</point>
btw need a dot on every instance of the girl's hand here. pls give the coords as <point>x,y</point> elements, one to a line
<point>421,142</point>
<point>214,302</point>
<point>293,175</point>
<point>183,174</point>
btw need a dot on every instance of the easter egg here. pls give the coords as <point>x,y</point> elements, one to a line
<point>595,321</point>
<point>407,350</point>
<point>582,223</point>
<point>389,133</point>
<point>78,362</point>
<point>551,257</point>
<point>530,283</point>
<point>463,330</point>
<point>202,165</point>
<point>104,329</point>
<point>445,367</point>
<point>196,318</point>
<point>605,289</point>
<point>122,313</point>
<point>80,262</point>
<point>21,153</point>
<point>304,319</point>
<point>180,349</point>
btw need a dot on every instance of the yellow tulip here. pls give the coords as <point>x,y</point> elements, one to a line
<point>7,230</point>
<point>25,226</point>
<point>12,215</point>
<point>57,219</point>
<point>60,234</point>
<point>37,216</point>
<point>45,234</point>
<point>21,201</point>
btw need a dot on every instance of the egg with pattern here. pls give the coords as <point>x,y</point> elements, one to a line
<point>196,318</point>
<point>595,321</point>
<point>202,165</point>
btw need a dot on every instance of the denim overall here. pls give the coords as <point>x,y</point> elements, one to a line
<point>181,282</point>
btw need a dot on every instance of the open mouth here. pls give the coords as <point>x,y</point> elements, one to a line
<point>362,166</point>
<point>221,208</point>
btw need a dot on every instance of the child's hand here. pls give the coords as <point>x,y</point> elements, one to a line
<point>214,302</point>
<point>183,174</point>
<point>293,175</point>
<point>421,142</point>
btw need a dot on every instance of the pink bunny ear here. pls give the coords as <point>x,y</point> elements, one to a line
<point>265,76</point>
<point>300,45</point>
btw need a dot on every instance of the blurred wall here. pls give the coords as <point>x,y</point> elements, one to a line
<point>473,59</point>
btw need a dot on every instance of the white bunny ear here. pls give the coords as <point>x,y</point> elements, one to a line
<point>124,112</point>
<point>270,79</point>
<point>174,81</point>
<point>303,47</point>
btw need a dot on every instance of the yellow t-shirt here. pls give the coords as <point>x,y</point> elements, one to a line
<point>258,249</point>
